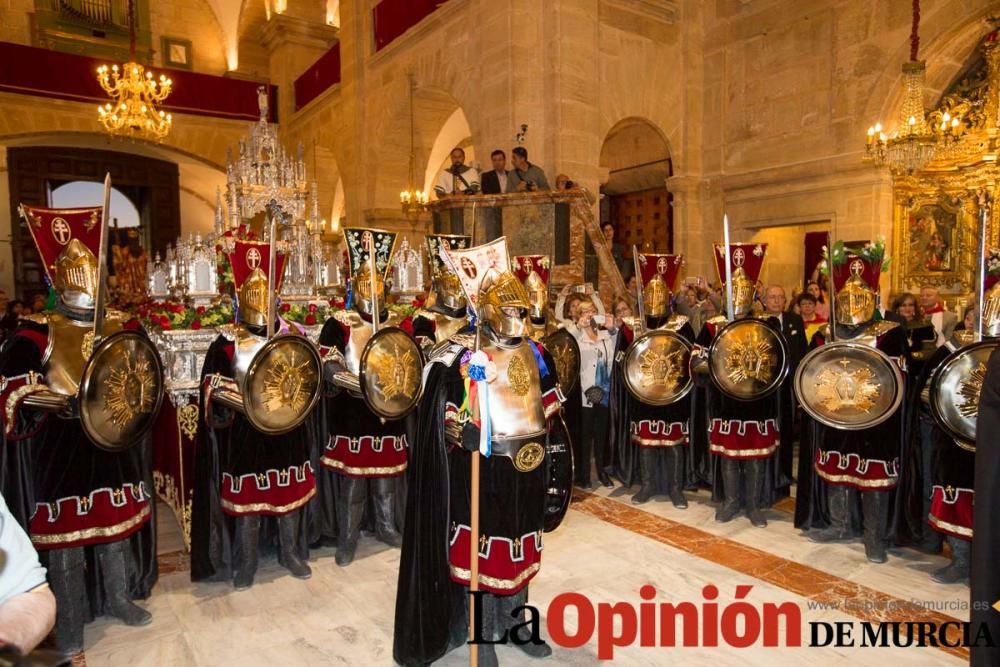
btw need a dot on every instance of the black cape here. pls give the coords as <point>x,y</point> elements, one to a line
<point>985,583</point>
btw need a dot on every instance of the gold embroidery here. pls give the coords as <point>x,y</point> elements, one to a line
<point>741,453</point>
<point>253,508</point>
<point>950,527</point>
<point>463,574</point>
<point>518,376</point>
<point>869,483</point>
<point>187,420</point>
<point>89,533</point>
<point>15,398</point>
<point>529,457</point>
<point>364,472</point>
<point>653,442</point>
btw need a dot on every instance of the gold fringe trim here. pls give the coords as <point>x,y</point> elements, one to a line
<point>88,533</point>
<point>868,483</point>
<point>742,453</point>
<point>268,507</point>
<point>363,472</point>
<point>950,527</point>
<point>658,443</point>
<point>493,582</point>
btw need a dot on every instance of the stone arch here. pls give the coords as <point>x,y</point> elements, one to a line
<point>636,154</point>
<point>433,107</point>
<point>454,133</point>
<point>949,37</point>
<point>198,176</point>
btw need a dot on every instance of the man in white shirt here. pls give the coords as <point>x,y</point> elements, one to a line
<point>459,178</point>
<point>944,321</point>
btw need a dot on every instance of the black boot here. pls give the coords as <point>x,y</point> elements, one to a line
<point>756,470</point>
<point>490,625</point>
<point>514,608</point>
<point>247,536</point>
<point>66,571</point>
<point>115,576</point>
<point>351,506</point>
<point>385,511</point>
<point>839,530</point>
<point>731,490</point>
<point>957,570</point>
<point>875,506</point>
<point>647,466</point>
<point>288,534</point>
<point>675,464</point>
<point>583,465</point>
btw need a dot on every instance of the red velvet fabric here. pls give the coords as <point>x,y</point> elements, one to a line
<point>851,470</point>
<point>655,433</point>
<point>391,18</point>
<point>504,566</point>
<point>369,456</point>
<point>951,511</point>
<point>101,517</point>
<point>735,439</point>
<point>272,492</point>
<point>322,74</point>
<point>33,71</point>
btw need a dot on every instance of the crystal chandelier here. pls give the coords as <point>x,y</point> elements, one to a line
<point>134,95</point>
<point>264,172</point>
<point>914,142</point>
<point>412,200</point>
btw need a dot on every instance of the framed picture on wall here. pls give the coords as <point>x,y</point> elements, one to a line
<point>176,52</point>
<point>934,241</point>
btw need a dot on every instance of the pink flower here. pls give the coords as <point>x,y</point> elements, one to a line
<point>312,307</point>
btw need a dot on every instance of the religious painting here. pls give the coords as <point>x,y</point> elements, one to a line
<point>934,236</point>
<point>176,52</point>
<point>933,231</point>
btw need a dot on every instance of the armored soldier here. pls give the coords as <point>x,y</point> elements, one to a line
<point>245,476</point>
<point>447,316</point>
<point>742,404</point>
<point>87,509</point>
<point>506,413</point>
<point>847,461</point>
<point>363,452</point>
<point>651,436</point>
<point>533,272</point>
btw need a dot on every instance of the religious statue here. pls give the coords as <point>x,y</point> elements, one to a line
<point>129,266</point>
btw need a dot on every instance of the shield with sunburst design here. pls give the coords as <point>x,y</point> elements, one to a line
<point>121,390</point>
<point>282,384</point>
<point>955,388</point>
<point>657,367</point>
<point>390,374</point>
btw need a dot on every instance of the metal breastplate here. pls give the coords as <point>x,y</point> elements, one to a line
<point>515,397</point>
<point>247,345</point>
<point>871,333</point>
<point>361,333</point>
<point>445,327</point>
<point>65,356</point>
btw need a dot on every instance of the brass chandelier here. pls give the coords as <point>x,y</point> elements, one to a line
<point>135,94</point>
<point>914,142</point>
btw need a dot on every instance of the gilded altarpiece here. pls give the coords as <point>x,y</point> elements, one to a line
<point>936,210</point>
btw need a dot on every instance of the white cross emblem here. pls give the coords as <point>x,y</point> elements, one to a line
<point>857,267</point>
<point>253,258</point>
<point>527,265</point>
<point>661,265</point>
<point>739,257</point>
<point>61,231</point>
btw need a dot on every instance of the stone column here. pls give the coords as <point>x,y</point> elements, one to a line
<point>293,45</point>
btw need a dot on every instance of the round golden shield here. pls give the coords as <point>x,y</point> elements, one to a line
<point>282,384</point>
<point>565,351</point>
<point>391,373</point>
<point>657,367</point>
<point>954,391</point>
<point>121,391</point>
<point>747,360</point>
<point>849,385</point>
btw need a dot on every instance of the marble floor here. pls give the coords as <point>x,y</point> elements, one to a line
<point>606,549</point>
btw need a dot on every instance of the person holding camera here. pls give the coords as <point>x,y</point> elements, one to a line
<point>597,337</point>
<point>459,178</point>
<point>531,177</point>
